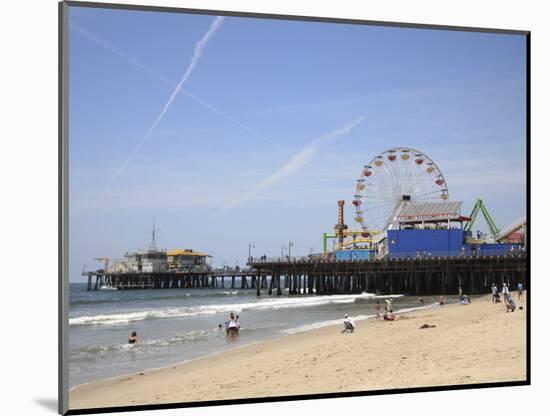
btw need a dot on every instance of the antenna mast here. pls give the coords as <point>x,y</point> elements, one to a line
<point>153,245</point>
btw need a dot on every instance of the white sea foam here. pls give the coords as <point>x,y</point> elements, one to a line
<point>181,312</point>
<point>322,324</point>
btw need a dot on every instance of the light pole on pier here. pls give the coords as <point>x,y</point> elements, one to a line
<point>290,244</point>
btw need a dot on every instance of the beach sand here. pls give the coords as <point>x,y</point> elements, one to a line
<point>476,343</point>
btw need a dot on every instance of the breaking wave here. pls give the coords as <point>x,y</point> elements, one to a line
<point>189,311</point>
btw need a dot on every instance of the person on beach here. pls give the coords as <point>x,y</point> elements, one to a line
<point>421,301</point>
<point>238,324</point>
<point>509,303</point>
<point>460,292</point>
<point>133,338</point>
<point>231,326</point>
<point>389,316</point>
<point>494,291</point>
<point>349,325</point>
<point>377,307</point>
<point>520,290</point>
<point>388,304</point>
<point>505,290</point>
<point>441,302</point>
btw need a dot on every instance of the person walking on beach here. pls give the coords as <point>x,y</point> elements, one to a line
<point>133,338</point>
<point>520,290</point>
<point>388,304</point>
<point>377,307</point>
<point>494,291</point>
<point>505,290</point>
<point>460,292</point>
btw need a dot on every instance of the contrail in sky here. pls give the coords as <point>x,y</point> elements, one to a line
<point>296,162</point>
<point>200,45</point>
<point>165,80</point>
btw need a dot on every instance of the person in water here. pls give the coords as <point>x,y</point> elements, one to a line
<point>133,338</point>
<point>231,325</point>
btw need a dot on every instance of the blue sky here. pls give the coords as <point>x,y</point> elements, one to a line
<point>270,90</point>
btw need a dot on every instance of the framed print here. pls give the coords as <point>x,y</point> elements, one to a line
<point>262,208</point>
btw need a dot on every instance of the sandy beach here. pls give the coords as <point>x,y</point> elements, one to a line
<point>476,343</point>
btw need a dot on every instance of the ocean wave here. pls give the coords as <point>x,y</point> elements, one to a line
<point>185,338</point>
<point>182,312</point>
<point>106,297</point>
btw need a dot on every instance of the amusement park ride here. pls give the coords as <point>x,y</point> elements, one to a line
<point>402,190</point>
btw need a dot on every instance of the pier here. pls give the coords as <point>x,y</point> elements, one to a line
<point>321,276</point>
<point>172,280</point>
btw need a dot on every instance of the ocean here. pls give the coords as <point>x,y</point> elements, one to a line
<point>176,325</point>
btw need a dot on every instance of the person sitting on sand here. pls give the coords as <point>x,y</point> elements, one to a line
<point>133,338</point>
<point>389,316</point>
<point>509,303</point>
<point>349,325</point>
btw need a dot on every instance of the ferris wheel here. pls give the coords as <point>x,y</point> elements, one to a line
<point>393,179</point>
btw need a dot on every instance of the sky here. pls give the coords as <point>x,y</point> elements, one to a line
<point>239,130</point>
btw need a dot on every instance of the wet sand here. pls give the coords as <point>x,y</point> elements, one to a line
<point>476,343</point>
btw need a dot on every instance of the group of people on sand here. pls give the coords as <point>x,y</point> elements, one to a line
<point>509,303</point>
<point>388,310</point>
<point>349,324</point>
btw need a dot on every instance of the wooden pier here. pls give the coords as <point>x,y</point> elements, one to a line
<point>172,280</point>
<point>414,276</point>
